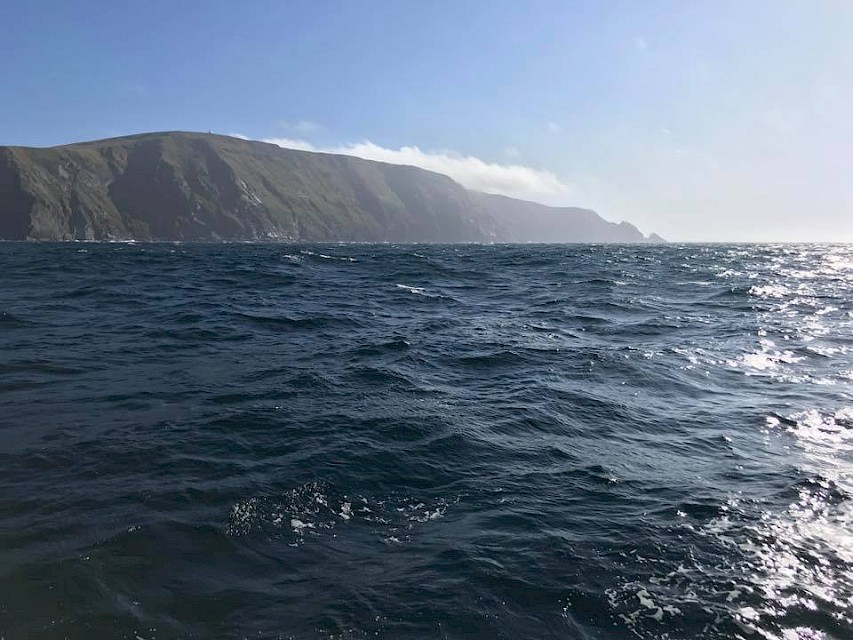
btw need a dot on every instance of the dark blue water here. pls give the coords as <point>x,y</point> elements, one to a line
<point>243,441</point>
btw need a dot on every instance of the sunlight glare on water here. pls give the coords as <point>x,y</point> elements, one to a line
<point>375,441</point>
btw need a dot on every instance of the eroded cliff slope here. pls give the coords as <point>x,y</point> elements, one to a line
<point>206,187</point>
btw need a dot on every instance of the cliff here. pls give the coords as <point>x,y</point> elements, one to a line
<point>524,221</point>
<point>206,187</point>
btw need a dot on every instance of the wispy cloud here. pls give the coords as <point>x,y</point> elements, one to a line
<point>508,179</point>
<point>512,152</point>
<point>780,122</point>
<point>641,43</point>
<point>290,143</point>
<point>553,127</point>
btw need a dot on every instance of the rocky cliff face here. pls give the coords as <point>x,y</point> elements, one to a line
<point>525,221</point>
<point>204,187</point>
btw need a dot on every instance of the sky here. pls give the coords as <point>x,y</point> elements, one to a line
<point>712,120</point>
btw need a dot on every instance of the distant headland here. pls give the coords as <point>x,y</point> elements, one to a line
<point>179,186</point>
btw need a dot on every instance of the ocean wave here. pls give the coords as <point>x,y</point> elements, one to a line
<point>432,441</point>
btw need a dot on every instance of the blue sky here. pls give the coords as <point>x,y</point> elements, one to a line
<point>714,120</point>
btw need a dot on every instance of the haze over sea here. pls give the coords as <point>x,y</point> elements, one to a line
<point>377,441</point>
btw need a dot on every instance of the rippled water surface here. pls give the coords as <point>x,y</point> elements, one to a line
<point>338,441</point>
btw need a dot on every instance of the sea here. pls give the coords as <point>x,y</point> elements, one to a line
<point>426,441</point>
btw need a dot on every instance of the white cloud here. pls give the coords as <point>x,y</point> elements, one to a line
<point>514,180</point>
<point>553,127</point>
<point>290,143</point>
<point>641,43</point>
